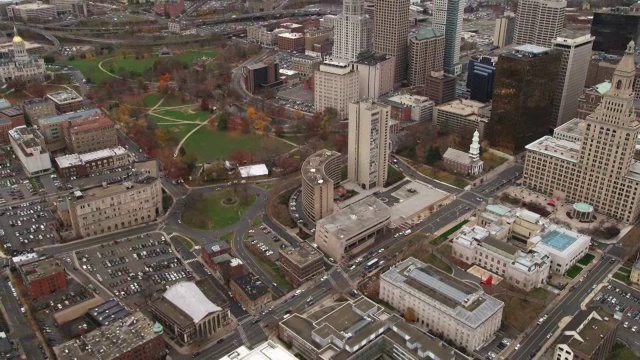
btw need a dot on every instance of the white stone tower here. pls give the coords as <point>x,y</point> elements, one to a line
<point>19,48</point>
<point>474,151</point>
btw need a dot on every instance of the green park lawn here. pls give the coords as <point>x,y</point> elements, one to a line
<point>150,100</point>
<point>209,212</point>
<point>90,69</point>
<point>186,114</point>
<point>574,271</point>
<point>586,260</point>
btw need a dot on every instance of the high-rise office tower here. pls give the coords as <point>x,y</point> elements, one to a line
<point>505,27</point>
<point>335,86</point>
<point>426,54</point>
<point>614,29</point>
<point>481,73</point>
<point>538,22</point>
<point>597,170</point>
<point>440,87</point>
<point>391,29</point>
<point>523,92</point>
<point>352,31</point>
<point>369,144</point>
<point>576,55</point>
<point>447,19</point>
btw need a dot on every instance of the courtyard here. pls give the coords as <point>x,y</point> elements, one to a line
<point>218,209</point>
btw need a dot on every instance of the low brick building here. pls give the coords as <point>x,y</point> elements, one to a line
<point>81,165</point>
<point>212,249</point>
<point>291,42</point>
<point>301,264</point>
<point>66,101</point>
<point>43,277</point>
<point>14,114</point>
<point>251,292</point>
<point>5,126</point>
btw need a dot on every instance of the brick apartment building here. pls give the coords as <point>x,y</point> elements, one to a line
<point>291,42</point>
<point>87,135</point>
<point>43,277</point>
<point>5,126</point>
<point>213,249</point>
<point>252,293</point>
<point>301,264</point>
<point>14,114</point>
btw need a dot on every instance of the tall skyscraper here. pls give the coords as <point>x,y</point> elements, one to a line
<point>505,27</point>
<point>391,29</point>
<point>426,54</point>
<point>538,22</point>
<point>447,19</point>
<point>369,144</point>
<point>353,31</point>
<point>335,85</point>
<point>523,93</point>
<point>481,73</point>
<point>576,55</point>
<point>597,169</point>
<point>614,30</point>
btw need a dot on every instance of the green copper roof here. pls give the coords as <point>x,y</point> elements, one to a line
<point>603,87</point>
<point>427,33</point>
<point>157,328</point>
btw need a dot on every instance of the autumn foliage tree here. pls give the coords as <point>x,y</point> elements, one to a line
<point>258,119</point>
<point>410,314</point>
<point>163,83</point>
<point>204,104</point>
<point>241,157</point>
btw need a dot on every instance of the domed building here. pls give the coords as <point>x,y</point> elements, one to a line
<point>21,66</point>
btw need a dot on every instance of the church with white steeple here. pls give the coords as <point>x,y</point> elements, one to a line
<point>21,66</point>
<point>465,163</point>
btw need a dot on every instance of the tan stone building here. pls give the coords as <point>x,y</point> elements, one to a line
<point>600,170</point>
<point>462,117</point>
<point>52,127</point>
<point>391,29</point>
<point>115,207</point>
<point>442,303</point>
<point>316,36</point>
<point>335,85</point>
<point>321,173</point>
<point>90,134</point>
<point>426,54</point>
<point>252,293</point>
<point>301,264</point>
<point>66,101</point>
<point>538,22</point>
<point>306,65</point>
<point>38,108</point>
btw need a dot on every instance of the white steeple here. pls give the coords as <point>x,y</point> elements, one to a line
<point>474,150</point>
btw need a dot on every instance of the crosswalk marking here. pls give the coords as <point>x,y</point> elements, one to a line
<point>190,260</point>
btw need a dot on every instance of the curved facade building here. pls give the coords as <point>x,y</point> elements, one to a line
<point>320,173</point>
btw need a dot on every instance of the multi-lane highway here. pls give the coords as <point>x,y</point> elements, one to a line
<point>567,306</point>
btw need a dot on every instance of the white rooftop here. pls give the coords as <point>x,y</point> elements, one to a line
<point>190,299</point>
<point>291,35</point>
<point>79,159</point>
<point>563,149</point>
<point>268,350</point>
<point>253,170</point>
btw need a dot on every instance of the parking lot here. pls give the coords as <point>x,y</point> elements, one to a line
<point>27,225</point>
<point>134,268</point>
<point>616,297</point>
<point>266,242</point>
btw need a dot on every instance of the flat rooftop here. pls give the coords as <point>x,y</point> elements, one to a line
<point>101,191</point>
<point>12,111</point>
<point>374,59</point>
<point>425,33</point>
<point>268,350</point>
<point>69,116</point>
<point>352,219</point>
<point>560,238</point>
<point>531,49</point>
<point>79,159</point>
<point>34,6</point>
<point>571,127</point>
<point>89,123</point>
<point>410,100</point>
<point>26,139</point>
<point>110,341</point>
<point>551,146</point>
<point>301,255</point>
<point>43,268</point>
<point>313,166</point>
<point>64,97</point>
<point>252,286</point>
<point>292,35</point>
<point>498,209</point>
<point>466,303</point>
<point>592,327</point>
<point>467,108</point>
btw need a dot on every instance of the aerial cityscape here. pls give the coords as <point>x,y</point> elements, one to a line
<point>320,179</point>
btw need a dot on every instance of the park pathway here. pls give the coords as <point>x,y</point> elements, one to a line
<point>105,71</point>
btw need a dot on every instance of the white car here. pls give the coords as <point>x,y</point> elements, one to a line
<point>517,346</point>
<point>324,278</point>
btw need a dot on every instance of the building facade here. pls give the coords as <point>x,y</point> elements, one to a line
<point>38,108</point>
<point>14,114</point>
<point>5,127</point>
<point>352,32</point>
<point>524,88</point>
<point>32,12</point>
<point>102,209</point>
<point>375,75</point>
<point>43,277</point>
<point>187,313</point>
<point>442,303</point>
<point>66,101</point>
<point>440,87</point>
<point>252,293</point>
<point>261,75</point>
<point>466,163</point>
<point>614,29</point>
<point>462,117</point>
<point>305,65</point>
<point>94,133</point>
<point>29,147</point>
<point>52,127</point>
<point>447,19</point>
<point>368,144</point>
<point>600,170</point>
<point>321,173</point>
<point>481,72</point>
<point>410,107</point>
<point>539,22</point>
<point>391,30</point>
<point>301,264</point>
<point>505,28</point>
<point>576,55</point>
<point>291,42</point>
<point>336,85</point>
<point>316,36</point>
<point>425,54</point>
<point>81,165</point>
<point>352,229</point>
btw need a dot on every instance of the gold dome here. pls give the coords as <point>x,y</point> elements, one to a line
<point>17,40</point>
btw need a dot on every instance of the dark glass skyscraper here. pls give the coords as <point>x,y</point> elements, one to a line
<point>613,31</point>
<point>480,77</point>
<point>525,84</point>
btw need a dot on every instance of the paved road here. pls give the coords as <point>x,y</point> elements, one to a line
<point>567,306</point>
<point>20,328</point>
